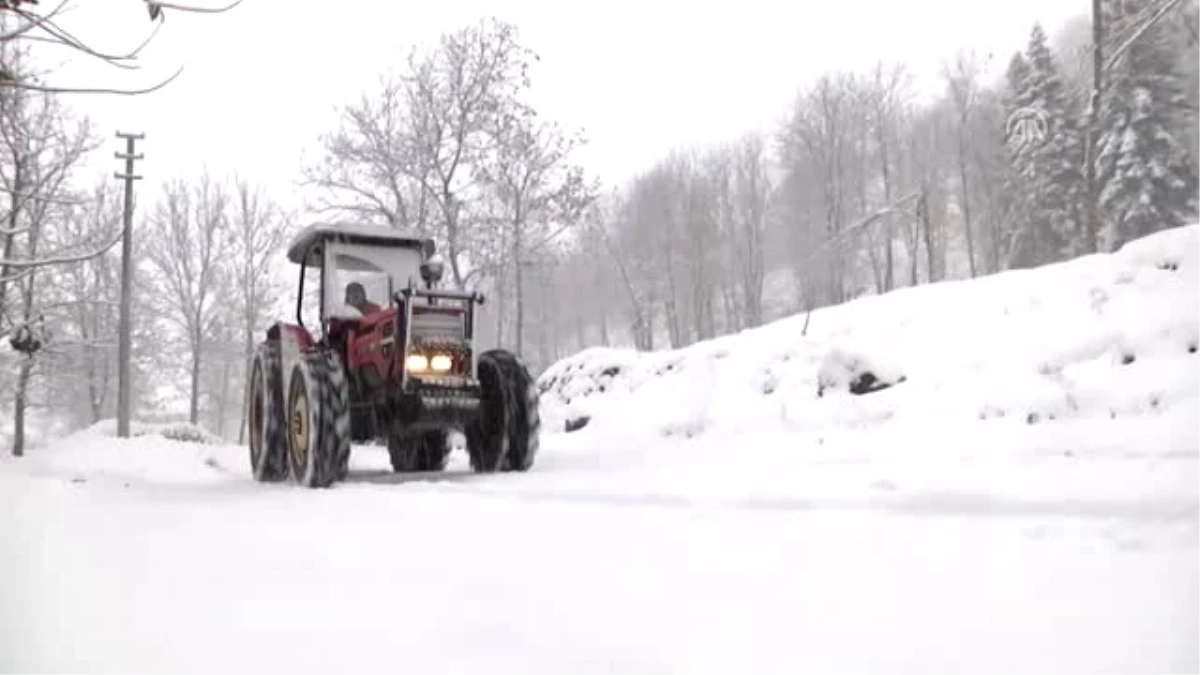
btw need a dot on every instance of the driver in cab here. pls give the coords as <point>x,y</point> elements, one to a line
<point>356,297</point>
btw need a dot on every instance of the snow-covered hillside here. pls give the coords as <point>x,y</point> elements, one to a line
<point>1023,497</point>
<point>1105,337</point>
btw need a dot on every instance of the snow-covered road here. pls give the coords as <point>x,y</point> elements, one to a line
<point>178,562</point>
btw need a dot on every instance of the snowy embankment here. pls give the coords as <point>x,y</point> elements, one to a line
<point>1095,358</point>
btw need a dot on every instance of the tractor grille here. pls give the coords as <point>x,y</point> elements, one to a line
<point>430,327</point>
<point>439,394</point>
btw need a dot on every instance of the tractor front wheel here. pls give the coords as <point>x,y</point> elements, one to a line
<point>318,434</point>
<point>504,437</point>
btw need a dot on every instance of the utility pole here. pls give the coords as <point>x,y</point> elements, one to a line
<point>125,340</point>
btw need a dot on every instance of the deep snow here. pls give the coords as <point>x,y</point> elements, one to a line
<point>1025,499</point>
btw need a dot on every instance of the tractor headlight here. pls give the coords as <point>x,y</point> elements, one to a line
<point>441,363</point>
<point>416,362</point>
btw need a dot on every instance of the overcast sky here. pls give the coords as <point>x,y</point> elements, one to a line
<point>260,83</point>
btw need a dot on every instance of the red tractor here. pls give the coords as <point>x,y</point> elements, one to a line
<point>393,359</point>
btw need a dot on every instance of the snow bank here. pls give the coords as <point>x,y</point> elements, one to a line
<point>1100,338</point>
<point>169,453</point>
<point>174,431</point>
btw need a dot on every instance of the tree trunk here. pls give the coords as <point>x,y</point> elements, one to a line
<point>14,213</point>
<point>1091,214</point>
<point>222,411</point>
<point>451,213</point>
<point>20,399</point>
<point>931,269</point>
<point>18,446</point>
<point>194,409</point>
<point>501,303</point>
<point>94,400</point>
<point>889,264</point>
<point>734,317</point>
<point>965,198</point>
<point>548,328</point>
<point>248,354</point>
<point>518,288</point>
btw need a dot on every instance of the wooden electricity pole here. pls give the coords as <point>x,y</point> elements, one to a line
<point>125,340</point>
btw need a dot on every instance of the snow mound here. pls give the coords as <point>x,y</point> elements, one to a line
<point>1102,337</point>
<point>855,373</point>
<point>174,431</point>
<point>168,454</point>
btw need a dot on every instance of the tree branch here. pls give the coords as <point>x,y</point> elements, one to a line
<point>15,84</point>
<point>1141,30</point>
<point>64,38</point>
<point>192,8</point>
<point>63,260</point>
<point>36,22</point>
<point>12,278</point>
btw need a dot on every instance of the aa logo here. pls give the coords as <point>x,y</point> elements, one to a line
<point>1027,127</point>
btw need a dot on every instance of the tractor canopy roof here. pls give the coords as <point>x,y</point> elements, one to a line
<point>354,233</point>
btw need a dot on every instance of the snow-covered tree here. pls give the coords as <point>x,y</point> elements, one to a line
<point>1049,168</point>
<point>186,243</point>
<point>1147,177</point>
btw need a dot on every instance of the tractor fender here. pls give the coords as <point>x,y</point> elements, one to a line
<point>289,332</point>
<point>294,342</point>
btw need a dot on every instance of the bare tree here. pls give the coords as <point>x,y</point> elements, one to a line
<point>698,226</point>
<point>887,93</point>
<point>454,93</point>
<point>33,126</point>
<point>84,309</point>
<point>962,79</point>
<point>541,191</point>
<point>258,233</point>
<point>368,168</point>
<point>40,147</point>
<point>814,149</point>
<point>752,190</point>
<point>186,245</point>
<point>629,248</point>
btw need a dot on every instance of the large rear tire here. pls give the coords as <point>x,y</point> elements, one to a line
<point>318,431</point>
<point>504,437</point>
<point>265,419</point>
<point>422,451</point>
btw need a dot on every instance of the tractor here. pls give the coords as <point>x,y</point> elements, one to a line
<point>392,359</point>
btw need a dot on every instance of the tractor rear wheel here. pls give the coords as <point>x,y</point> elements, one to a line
<point>504,437</point>
<point>422,451</point>
<point>265,420</point>
<point>318,420</point>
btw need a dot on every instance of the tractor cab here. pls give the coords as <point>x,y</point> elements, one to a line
<point>361,268</point>
<point>373,280</point>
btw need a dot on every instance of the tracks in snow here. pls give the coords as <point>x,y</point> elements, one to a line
<point>882,499</point>
<point>879,497</point>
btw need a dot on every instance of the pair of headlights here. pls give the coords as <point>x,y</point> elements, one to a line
<point>438,363</point>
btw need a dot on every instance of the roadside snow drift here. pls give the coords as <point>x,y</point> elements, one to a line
<point>1105,337</point>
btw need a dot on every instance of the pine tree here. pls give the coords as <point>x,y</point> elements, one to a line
<point>1051,168</point>
<point>1019,248</point>
<point>1147,178</point>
